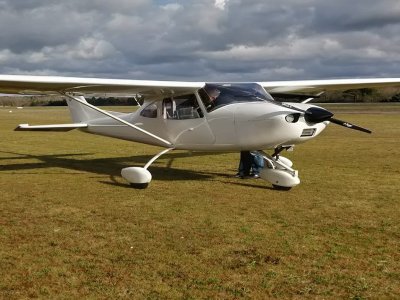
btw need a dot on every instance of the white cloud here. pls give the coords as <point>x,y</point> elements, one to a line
<point>92,48</point>
<point>172,7</point>
<point>220,4</point>
<point>6,55</point>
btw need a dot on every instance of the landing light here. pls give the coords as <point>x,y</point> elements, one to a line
<point>292,118</point>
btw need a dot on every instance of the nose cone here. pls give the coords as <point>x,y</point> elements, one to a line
<point>317,115</point>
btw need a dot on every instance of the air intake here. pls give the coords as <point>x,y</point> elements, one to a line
<point>308,132</point>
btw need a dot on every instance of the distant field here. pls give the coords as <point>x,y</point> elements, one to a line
<point>363,107</point>
<point>70,226</point>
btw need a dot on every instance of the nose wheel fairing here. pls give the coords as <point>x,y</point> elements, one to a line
<point>278,171</point>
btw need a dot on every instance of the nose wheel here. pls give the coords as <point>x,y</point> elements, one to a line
<point>278,171</point>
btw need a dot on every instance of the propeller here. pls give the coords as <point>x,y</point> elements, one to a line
<point>318,115</point>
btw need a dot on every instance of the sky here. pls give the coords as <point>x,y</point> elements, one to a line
<point>202,40</point>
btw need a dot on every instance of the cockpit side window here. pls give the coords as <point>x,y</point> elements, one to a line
<point>209,98</point>
<point>181,108</point>
<point>150,111</point>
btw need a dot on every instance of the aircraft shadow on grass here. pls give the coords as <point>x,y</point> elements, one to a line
<point>104,166</point>
<point>113,166</point>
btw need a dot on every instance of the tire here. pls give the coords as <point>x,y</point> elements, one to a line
<point>282,188</point>
<point>139,186</point>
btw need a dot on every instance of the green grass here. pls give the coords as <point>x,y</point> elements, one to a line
<point>70,226</point>
<point>362,107</point>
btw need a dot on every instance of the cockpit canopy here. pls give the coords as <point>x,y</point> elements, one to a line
<point>215,95</point>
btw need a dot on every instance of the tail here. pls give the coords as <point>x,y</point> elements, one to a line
<point>81,113</point>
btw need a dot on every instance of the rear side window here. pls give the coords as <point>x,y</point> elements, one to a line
<point>182,108</point>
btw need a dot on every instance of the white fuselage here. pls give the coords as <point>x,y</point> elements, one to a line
<point>233,127</point>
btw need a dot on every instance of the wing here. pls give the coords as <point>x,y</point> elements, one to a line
<point>314,87</point>
<point>47,85</point>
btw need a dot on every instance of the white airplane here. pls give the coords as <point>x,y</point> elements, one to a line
<point>198,116</point>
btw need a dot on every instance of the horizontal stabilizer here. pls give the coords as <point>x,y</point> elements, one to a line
<point>53,127</point>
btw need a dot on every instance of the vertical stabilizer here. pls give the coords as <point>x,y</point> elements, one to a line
<point>81,113</point>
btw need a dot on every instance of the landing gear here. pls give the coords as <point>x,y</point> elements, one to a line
<point>138,177</point>
<point>278,171</point>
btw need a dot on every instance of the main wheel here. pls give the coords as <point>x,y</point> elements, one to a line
<point>282,188</point>
<point>139,178</point>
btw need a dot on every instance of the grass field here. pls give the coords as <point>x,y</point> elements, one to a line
<point>70,226</point>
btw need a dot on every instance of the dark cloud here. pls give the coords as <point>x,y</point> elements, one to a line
<point>201,40</point>
<point>357,15</point>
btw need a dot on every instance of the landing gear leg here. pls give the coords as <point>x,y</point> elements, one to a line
<point>278,171</point>
<point>140,177</point>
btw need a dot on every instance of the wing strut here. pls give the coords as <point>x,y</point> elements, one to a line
<point>78,99</point>
<point>312,98</point>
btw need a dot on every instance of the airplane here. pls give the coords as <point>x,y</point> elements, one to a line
<point>199,116</point>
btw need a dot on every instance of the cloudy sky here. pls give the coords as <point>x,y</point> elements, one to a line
<point>210,40</point>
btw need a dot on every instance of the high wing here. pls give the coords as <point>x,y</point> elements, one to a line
<point>315,87</point>
<point>48,85</point>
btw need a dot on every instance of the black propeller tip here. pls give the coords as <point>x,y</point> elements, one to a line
<point>349,125</point>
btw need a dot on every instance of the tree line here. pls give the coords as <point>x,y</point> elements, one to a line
<point>366,95</point>
<point>61,101</point>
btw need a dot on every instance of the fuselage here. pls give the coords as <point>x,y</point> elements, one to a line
<point>240,118</point>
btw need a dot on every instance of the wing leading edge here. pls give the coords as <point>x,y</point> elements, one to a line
<point>45,85</point>
<point>314,87</point>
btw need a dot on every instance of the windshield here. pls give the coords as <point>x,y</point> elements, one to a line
<point>218,95</point>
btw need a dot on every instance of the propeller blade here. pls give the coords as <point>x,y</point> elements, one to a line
<point>349,125</point>
<point>286,105</point>
<point>292,107</point>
